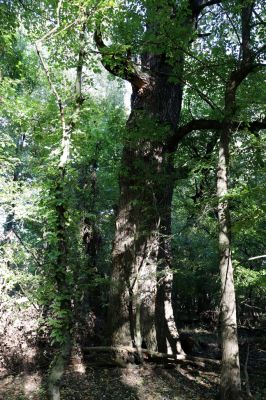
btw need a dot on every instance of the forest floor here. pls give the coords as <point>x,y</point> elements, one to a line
<point>146,382</point>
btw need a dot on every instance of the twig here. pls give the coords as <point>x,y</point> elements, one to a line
<point>38,46</point>
<point>203,96</point>
<point>255,258</point>
<point>27,8</point>
<point>66,130</point>
<point>56,27</point>
<point>27,249</point>
<point>231,23</point>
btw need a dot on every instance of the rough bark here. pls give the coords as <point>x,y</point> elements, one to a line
<point>140,309</point>
<point>167,335</point>
<point>136,249</point>
<point>142,228</point>
<point>143,221</point>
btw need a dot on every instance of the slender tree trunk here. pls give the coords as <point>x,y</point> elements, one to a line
<point>59,270</point>
<point>230,387</point>
<point>10,225</point>
<point>60,361</point>
<point>230,375</point>
<point>63,294</point>
<point>167,334</point>
<point>91,236</point>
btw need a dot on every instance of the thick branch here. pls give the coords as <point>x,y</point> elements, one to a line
<point>203,4</point>
<point>246,16</point>
<point>245,66</point>
<point>119,64</point>
<point>210,124</point>
<point>193,125</point>
<point>52,85</point>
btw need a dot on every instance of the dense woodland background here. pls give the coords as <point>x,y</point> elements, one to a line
<point>132,232</point>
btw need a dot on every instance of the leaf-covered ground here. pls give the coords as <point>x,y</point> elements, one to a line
<point>19,379</point>
<point>134,383</point>
<point>147,382</point>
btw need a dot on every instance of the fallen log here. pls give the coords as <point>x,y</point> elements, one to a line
<point>122,356</point>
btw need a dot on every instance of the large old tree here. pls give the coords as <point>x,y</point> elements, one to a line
<point>140,310</point>
<point>196,68</point>
<point>175,35</point>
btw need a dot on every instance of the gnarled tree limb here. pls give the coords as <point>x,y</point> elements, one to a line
<point>120,64</point>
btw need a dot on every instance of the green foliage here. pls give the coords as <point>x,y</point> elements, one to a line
<point>30,149</point>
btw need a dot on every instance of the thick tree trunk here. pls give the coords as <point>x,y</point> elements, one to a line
<point>141,251</point>
<point>230,375</point>
<point>135,254</point>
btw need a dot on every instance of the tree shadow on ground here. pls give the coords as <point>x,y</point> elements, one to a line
<point>189,383</point>
<point>98,383</point>
<point>146,382</point>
